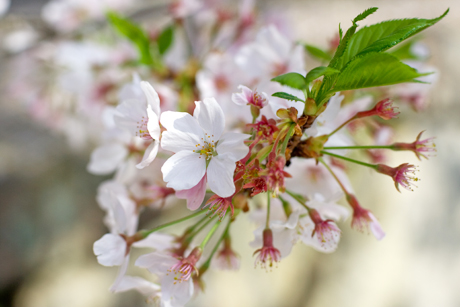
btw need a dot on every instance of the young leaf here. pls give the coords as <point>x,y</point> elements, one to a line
<point>374,69</point>
<point>292,79</point>
<point>133,33</point>
<point>165,39</point>
<point>286,96</point>
<point>317,53</point>
<point>364,14</point>
<point>317,72</point>
<point>382,36</point>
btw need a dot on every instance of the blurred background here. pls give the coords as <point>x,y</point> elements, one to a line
<point>49,218</point>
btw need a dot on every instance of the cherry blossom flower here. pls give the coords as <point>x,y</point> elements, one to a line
<point>283,229</point>
<point>219,205</point>
<point>268,253</point>
<point>403,175</point>
<point>250,97</point>
<point>318,228</point>
<point>421,148</point>
<point>122,218</point>
<point>176,285</point>
<point>201,149</point>
<point>383,109</point>
<point>363,219</point>
<point>141,119</point>
<point>326,231</point>
<point>269,55</point>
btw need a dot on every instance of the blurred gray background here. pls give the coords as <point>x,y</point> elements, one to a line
<point>49,218</point>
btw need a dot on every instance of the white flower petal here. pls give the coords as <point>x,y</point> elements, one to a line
<point>152,97</point>
<point>149,155</point>
<point>183,131</point>
<point>106,158</point>
<point>210,117</point>
<point>157,263</point>
<point>145,287</point>
<point>158,241</point>
<point>177,293</point>
<point>128,115</point>
<point>153,124</point>
<point>183,170</point>
<point>220,176</point>
<point>110,250</point>
<point>232,145</point>
<point>121,273</point>
<point>118,214</point>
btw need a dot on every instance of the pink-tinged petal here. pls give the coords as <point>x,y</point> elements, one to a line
<point>183,170</point>
<point>375,227</point>
<point>153,124</point>
<point>139,284</point>
<point>239,99</point>
<point>183,131</point>
<point>232,145</point>
<point>106,158</point>
<point>195,195</point>
<point>220,176</point>
<point>121,273</point>
<point>149,155</point>
<point>157,263</point>
<point>110,250</point>
<point>152,97</point>
<point>158,241</point>
<point>242,98</point>
<point>210,117</point>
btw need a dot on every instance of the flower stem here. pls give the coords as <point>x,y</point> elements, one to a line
<point>299,199</point>
<point>145,233</point>
<point>362,147</point>
<point>373,166</point>
<point>333,175</point>
<point>210,233</point>
<point>342,125</point>
<point>267,221</point>
<point>207,263</point>
<point>209,220</point>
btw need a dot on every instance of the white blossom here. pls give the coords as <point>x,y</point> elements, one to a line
<point>201,149</point>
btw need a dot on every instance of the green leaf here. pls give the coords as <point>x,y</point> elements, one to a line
<point>134,33</point>
<point>382,36</point>
<point>165,39</point>
<point>404,51</point>
<point>374,69</point>
<point>292,79</point>
<point>319,71</point>
<point>337,61</point>
<point>287,96</point>
<point>364,14</point>
<point>317,53</point>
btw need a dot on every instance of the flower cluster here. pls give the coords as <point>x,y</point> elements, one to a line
<point>231,122</point>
